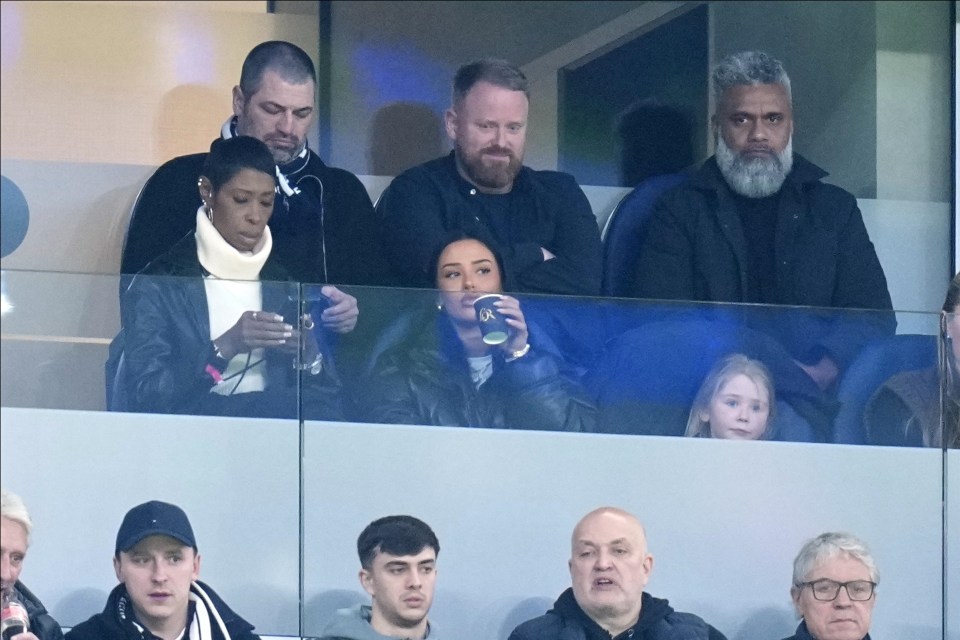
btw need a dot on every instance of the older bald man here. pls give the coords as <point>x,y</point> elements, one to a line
<point>609,568</point>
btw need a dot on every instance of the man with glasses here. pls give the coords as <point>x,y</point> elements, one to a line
<point>834,588</point>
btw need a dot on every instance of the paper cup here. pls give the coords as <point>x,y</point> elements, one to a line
<point>492,324</point>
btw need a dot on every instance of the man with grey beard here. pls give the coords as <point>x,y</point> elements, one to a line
<point>755,224</point>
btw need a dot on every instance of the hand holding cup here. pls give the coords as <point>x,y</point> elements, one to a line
<point>501,322</point>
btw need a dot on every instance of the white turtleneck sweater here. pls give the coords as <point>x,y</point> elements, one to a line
<point>232,287</point>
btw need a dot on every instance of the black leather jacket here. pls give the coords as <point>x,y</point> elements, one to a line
<point>424,379</point>
<point>168,351</point>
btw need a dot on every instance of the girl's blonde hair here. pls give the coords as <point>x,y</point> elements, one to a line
<point>723,371</point>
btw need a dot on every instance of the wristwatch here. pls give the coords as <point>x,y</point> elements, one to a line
<point>314,367</point>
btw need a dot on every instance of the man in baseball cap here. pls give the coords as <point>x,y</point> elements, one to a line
<point>159,596</point>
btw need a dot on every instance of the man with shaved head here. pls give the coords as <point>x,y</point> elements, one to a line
<point>609,568</point>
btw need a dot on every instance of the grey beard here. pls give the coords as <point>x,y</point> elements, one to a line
<point>756,177</point>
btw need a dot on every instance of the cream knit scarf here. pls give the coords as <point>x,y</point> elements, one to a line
<point>232,287</point>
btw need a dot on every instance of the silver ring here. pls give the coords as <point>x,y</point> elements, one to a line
<point>254,315</point>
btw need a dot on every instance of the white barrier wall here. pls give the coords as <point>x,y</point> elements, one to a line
<point>725,519</point>
<point>238,480</point>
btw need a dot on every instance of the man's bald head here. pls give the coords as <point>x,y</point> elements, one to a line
<point>629,523</point>
<point>609,567</point>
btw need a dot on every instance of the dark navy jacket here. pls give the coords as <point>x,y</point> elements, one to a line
<point>803,634</point>
<point>325,234</point>
<point>658,621</point>
<point>117,621</point>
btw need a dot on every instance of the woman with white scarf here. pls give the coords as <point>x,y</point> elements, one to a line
<point>213,327</point>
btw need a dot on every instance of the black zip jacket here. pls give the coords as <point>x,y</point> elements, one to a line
<point>325,234</point>
<point>546,209</point>
<point>696,250</point>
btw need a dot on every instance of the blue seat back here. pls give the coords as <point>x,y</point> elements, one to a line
<point>625,231</point>
<point>872,367</point>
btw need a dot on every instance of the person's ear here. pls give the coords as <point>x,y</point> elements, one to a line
<point>450,122</point>
<point>206,190</point>
<point>366,581</point>
<point>238,101</point>
<point>795,596</point>
<point>116,567</point>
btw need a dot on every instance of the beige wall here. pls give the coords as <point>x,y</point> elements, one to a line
<point>913,102</point>
<point>126,82</point>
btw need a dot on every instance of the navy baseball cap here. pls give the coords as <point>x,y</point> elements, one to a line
<point>151,519</point>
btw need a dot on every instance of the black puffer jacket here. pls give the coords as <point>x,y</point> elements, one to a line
<point>167,347</point>
<point>425,379</point>
<point>42,623</point>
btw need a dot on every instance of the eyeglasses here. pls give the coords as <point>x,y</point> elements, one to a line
<point>826,590</point>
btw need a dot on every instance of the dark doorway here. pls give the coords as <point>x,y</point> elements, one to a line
<point>661,77</point>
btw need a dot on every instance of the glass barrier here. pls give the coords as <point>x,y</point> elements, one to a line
<point>400,356</point>
<point>951,551</point>
<point>326,425</point>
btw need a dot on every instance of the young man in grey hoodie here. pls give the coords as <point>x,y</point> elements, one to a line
<point>398,560</point>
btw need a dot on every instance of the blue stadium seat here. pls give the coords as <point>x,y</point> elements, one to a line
<point>872,367</point>
<point>626,229</point>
